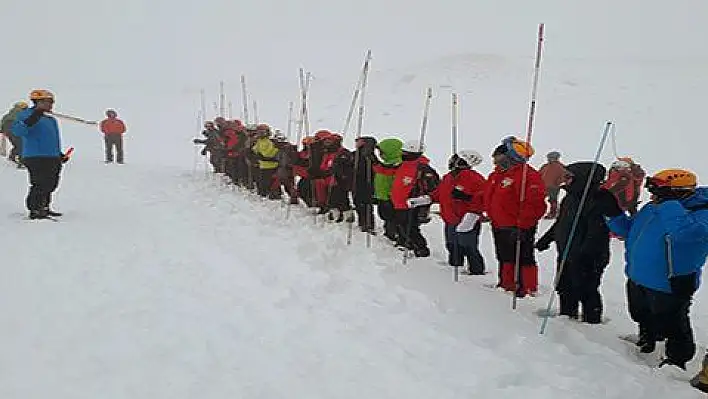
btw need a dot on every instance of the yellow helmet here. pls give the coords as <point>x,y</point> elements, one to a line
<point>674,178</point>
<point>41,94</point>
<point>21,104</point>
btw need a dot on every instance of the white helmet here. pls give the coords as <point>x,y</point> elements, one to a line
<point>471,157</point>
<point>413,146</point>
<point>620,164</point>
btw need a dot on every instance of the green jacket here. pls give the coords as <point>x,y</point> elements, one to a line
<point>266,151</point>
<point>391,154</point>
<point>9,119</point>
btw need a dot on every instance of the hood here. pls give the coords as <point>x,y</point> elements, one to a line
<point>699,198</point>
<point>368,145</point>
<point>581,174</point>
<point>391,151</point>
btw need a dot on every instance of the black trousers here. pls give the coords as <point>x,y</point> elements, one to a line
<point>663,315</point>
<point>579,284</point>
<point>408,226</point>
<point>44,179</point>
<point>388,215</point>
<point>114,140</point>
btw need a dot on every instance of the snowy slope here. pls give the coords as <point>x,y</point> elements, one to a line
<point>162,285</point>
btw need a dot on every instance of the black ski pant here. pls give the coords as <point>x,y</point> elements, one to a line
<point>265,182</point>
<point>364,214</point>
<point>660,314</point>
<point>461,246</point>
<point>44,179</point>
<point>114,140</point>
<point>304,190</point>
<point>579,284</point>
<point>388,215</point>
<point>339,198</point>
<point>409,235</point>
<point>505,239</point>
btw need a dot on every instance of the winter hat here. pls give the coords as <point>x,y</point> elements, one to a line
<point>391,151</point>
<point>581,173</point>
<point>553,156</point>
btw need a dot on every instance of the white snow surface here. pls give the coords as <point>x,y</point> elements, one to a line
<point>159,282</point>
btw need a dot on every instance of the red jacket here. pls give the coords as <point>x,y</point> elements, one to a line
<point>112,126</point>
<point>413,178</point>
<point>469,182</point>
<point>300,164</point>
<point>503,195</point>
<point>231,141</point>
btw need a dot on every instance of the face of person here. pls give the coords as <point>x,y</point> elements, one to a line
<point>46,104</point>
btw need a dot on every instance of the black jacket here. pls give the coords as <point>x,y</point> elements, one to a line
<point>590,245</point>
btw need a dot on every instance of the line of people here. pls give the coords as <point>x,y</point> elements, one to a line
<point>666,240</point>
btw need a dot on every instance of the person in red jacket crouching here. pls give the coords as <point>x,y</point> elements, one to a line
<point>414,178</point>
<point>514,214</point>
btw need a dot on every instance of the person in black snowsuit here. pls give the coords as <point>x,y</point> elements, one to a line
<point>589,252</point>
<point>343,173</point>
<point>363,188</point>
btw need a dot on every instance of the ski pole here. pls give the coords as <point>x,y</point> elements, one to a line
<point>524,175</point>
<point>454,122</point>
<point>244,95</point>
<point>72,118</point>
<point>573,227</point>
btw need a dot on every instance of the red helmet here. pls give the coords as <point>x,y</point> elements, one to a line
<point>336,137</point>
<point>322,134</point>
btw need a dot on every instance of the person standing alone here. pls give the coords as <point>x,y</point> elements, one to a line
<point>113,130</point>
<point>41,152</point>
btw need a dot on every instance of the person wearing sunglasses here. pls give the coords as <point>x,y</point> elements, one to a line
<point>665,249</point>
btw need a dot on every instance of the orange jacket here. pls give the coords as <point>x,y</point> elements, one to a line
<point>553,174</point>
<point>112,126</point>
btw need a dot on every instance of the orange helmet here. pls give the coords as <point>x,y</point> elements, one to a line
<point>674,178</point>
<point>518,149</point>
<point>307,140</point>
<point>41,94</point>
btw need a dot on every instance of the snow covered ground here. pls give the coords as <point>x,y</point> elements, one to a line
<point>161,283</point>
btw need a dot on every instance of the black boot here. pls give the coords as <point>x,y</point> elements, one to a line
<point>646,342</point>
<point>39,214</point>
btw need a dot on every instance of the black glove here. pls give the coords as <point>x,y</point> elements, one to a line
<point>64,158</point>
<point>34,118</point>
<point>683,286</point>
<point>460,195</point>
<point>607,204</point>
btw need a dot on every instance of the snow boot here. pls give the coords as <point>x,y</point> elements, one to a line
<point>39,214</point>
<point>53,213</point>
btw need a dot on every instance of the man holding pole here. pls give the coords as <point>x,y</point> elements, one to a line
<point>41,152</point>
<point>515,202</point>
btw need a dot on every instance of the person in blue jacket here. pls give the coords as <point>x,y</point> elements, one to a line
<point>666,247</point>
<point>41,152</point>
